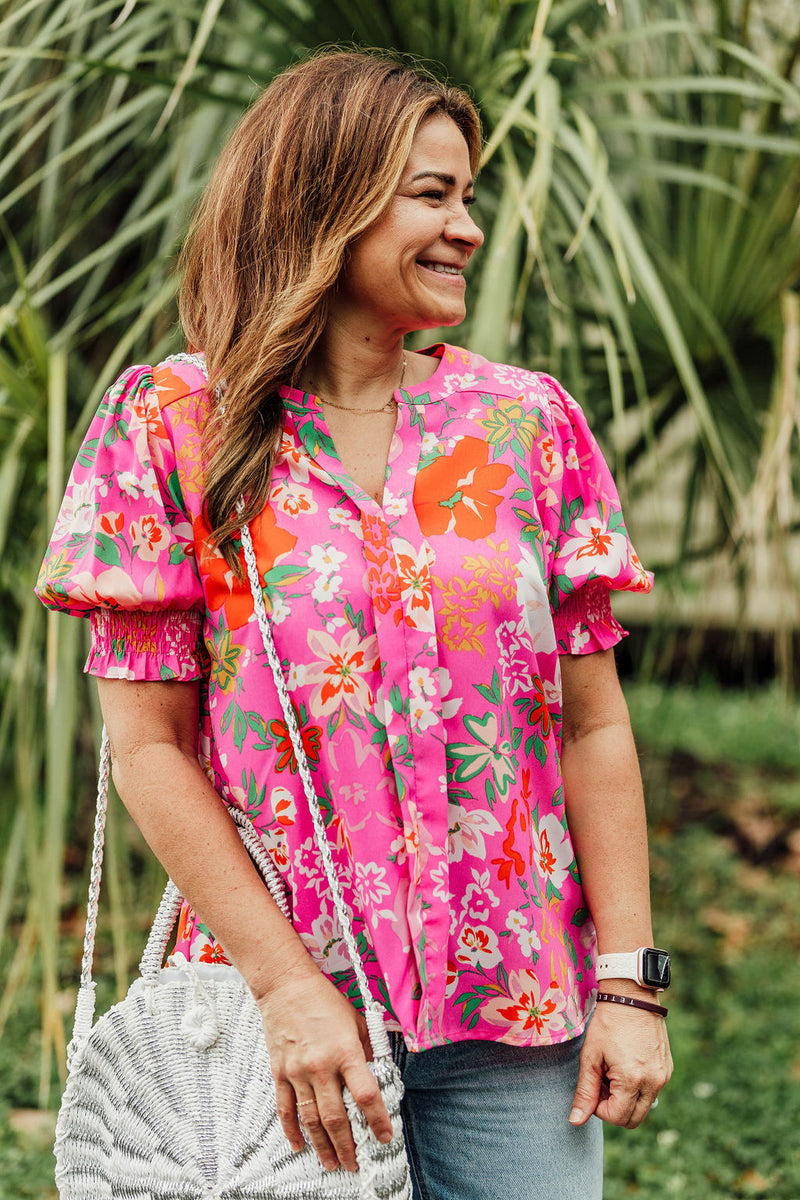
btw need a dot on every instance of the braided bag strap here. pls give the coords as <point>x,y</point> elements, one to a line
<point>168,909</point>
<point>373,1013</point>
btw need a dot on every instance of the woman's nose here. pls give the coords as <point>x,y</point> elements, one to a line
<point>462,227</point>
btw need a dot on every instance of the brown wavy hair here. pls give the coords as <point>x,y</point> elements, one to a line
<point>311,166</point>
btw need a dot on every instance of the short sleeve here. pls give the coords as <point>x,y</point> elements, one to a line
<point>588,551</point>
<point>122,550</point>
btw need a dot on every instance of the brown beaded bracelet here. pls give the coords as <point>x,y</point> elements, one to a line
<point>633,1002</point>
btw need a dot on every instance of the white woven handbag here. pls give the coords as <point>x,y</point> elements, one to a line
<point>170,1095</point>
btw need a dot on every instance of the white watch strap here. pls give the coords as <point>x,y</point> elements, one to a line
<point>619,966</point>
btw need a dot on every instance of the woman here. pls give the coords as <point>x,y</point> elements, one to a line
<point>437,537</point>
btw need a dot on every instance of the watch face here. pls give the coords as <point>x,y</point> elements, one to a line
<point>655,969</point>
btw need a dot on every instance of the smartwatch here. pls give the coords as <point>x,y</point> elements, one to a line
<point>647,966</point>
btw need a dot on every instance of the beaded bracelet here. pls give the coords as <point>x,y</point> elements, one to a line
<point>633,1002</point>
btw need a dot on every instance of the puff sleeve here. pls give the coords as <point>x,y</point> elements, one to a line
<point>122,551</point>
<point>588,551</point>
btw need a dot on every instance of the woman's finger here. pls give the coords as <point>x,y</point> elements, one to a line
<point>328,1127</point>
<point>365,1091</point>
<point>288,1115</point>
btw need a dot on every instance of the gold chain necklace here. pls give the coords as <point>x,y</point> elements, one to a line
<point>389,406</point>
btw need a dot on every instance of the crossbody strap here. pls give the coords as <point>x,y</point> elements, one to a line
<point>168,909</point>
<point>373,1012</point>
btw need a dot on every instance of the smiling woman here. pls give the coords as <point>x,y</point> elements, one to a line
<point>436,538</point>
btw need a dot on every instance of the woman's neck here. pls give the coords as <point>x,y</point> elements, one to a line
<point>360,371</point>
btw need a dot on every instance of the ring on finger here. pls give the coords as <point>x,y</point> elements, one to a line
<point>303,1103</point>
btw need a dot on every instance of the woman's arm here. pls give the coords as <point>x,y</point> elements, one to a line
<point>625,1059</point>
<point>316,1039</point>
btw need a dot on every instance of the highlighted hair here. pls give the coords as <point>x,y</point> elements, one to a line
<point>311,166</point>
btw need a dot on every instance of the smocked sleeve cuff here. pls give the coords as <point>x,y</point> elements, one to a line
<point>159,645</point>
<point>584,622</point>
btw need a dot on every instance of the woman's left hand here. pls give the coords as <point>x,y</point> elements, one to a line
<point>625,1062</point>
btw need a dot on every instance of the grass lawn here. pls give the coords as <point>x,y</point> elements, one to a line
<point>722,774</point>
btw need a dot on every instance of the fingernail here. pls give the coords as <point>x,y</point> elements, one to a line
<point>576,1116</point>
<point>385,1138</point>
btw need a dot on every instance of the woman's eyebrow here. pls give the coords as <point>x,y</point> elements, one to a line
<point>448,180</point>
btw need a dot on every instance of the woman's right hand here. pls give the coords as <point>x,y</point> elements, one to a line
<point>317,1043</point>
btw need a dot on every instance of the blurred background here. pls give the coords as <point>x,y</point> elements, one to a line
<point>639,194</point>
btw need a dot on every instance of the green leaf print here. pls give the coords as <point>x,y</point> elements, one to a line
<point>239,726</point>
<point>356,619</point>
<point>259,728</point>
<point>177,554</point>
<point>174,487</point>
<point>580,917</point>
<point>106,550</point>
<point>88,452</point>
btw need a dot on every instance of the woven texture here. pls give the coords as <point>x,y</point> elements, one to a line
<point>172,1097</point>
<point>170,1094</point>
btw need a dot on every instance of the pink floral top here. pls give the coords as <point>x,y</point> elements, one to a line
<point>421,645</point>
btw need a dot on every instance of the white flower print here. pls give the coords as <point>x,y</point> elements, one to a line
<point>515,921</point>
<point>441,878</point>
<point>532,599</point>
<point>467,831</point>
<point>578,637</point>
<point>279,610</point>
<point>370,881</point>
<point>395,506</point>
<point>421,682</point>
<point>553,854</point>
<point>422,713</point>
<point>449,707</point>
<point>129,483</point>
<point>479,899</point>
<point>325,559</point>
<point>325,944</point>
<point>514,656</point>
<point>341,517</point>
<point>478,946</point>
<point>593,548</point>
<point>326,588</point>
<point>296,677</point>
<point>306,862</point>
<point>528,942</point>
<point>571,460</point>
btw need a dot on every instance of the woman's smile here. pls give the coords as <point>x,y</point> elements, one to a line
<point>407,271</point>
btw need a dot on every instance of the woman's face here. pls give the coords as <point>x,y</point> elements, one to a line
<point>406,272</point>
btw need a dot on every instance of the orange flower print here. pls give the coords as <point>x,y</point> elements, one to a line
<point>340,670</point>
<point>149,538</point>
<point>213,953</point>
<point>539,713</point>
<point>223,590</point>
<point>309,734</point>
<point>414,576</point>
<point>530,1012</point>
<point>459,492</point>
<point>112,523</point>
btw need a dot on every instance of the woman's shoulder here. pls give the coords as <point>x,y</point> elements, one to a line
<point>180,378</point>
<point>463,370</point>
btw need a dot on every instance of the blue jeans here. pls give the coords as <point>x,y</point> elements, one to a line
<point>487,1121</point>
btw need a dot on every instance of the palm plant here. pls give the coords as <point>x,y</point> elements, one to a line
<point>637,194</point>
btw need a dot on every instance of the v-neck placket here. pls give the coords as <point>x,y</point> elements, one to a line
<point>400,562</point>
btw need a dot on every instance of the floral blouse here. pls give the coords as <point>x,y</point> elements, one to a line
<point>420,642</point>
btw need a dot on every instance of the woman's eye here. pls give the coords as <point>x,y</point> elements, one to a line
<point>469,201</point>
<point>433,195</point>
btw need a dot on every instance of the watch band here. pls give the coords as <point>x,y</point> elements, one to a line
<point>648,966</point>
<point>619,966</point>
<point>632,1002</point>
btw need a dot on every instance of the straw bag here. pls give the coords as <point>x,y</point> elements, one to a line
<point>170,1095</point>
